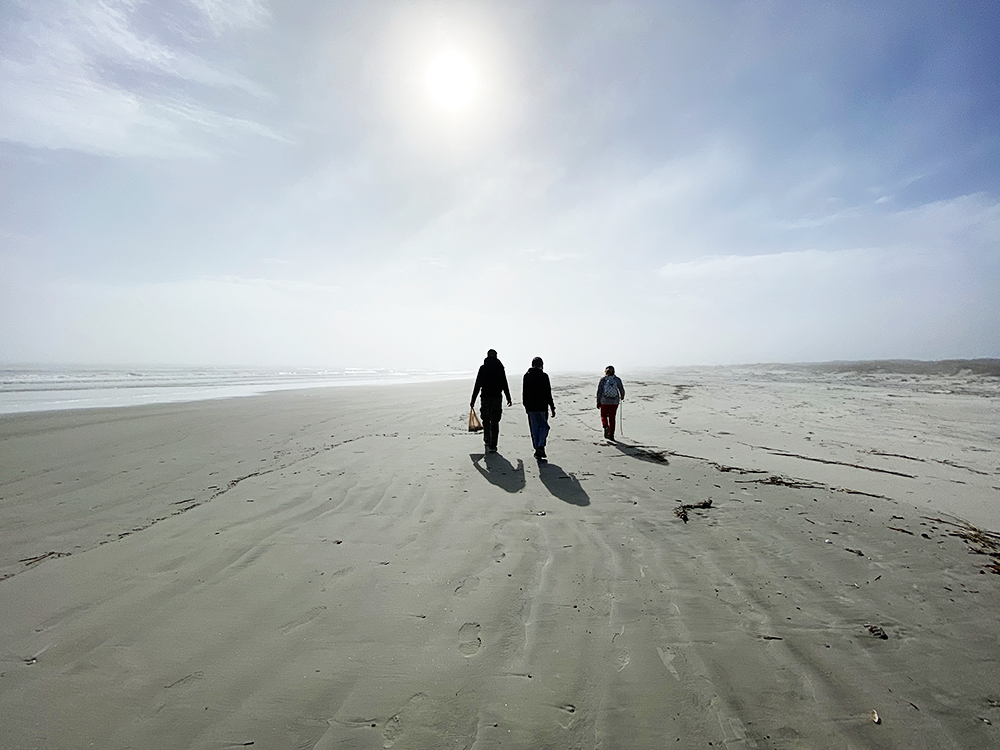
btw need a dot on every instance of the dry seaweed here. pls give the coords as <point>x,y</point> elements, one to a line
<point>980,541</point>
<point>682,511</point>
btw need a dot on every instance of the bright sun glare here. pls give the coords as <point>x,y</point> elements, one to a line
<point>451,80</point>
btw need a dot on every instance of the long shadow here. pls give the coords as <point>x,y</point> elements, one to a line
<point>643,453</point>
<point>562,484</point>
<point>500,471</point>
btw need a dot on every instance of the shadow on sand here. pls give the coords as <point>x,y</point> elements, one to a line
<point>562,484</point>
<point>500,471</point>
<point>643,453</point>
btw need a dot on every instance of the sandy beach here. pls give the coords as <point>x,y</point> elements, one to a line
<point>344,568</point>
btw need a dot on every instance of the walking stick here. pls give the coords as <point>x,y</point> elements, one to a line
<point>621,421</point>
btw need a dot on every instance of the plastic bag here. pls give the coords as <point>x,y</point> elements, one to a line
<point>474,424</point>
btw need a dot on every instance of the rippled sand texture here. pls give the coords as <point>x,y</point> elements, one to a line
<point>344,568</point>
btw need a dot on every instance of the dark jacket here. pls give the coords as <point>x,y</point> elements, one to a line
<point>491,380</point>
<point>536,391</point>
<point>620,394</point>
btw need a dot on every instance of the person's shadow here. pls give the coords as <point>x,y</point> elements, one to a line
<point>562,484</point>
<point>500,471</point>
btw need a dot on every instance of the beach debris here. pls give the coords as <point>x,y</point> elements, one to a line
<point>775,452</point>
<point>993,703</point>
<point>737,469</point>
<point>877,631</point>
<point>857,552</point>
<point>801,484</point>
<point>896,455</point>
<point>48,555</point>
<point>185,680</point>
<point>902,531</point>
<point>827,541</point>
<point>875,717</point>
<point>980,541</point>
<point>786,482</point>
<point>682,511</point>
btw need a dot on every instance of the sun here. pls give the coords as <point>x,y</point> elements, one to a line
<point>451,80</point>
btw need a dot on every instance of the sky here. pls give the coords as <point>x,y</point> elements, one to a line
<point>678,182</point>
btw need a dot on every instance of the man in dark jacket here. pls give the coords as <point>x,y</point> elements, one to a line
<point>536,394</point>
<point>492,381</point>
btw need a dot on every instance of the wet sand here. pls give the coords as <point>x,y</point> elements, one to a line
<point>344,568</point>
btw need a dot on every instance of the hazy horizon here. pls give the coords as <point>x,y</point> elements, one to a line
<point>243,183</point>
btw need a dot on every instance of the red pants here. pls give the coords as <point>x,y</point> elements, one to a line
<point>608,412</point>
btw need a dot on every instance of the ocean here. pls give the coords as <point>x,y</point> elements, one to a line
<point>25,389</point>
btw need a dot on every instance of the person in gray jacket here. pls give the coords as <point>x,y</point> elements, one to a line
<point>610,393</point>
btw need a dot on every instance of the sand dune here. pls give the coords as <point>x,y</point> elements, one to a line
<point>345,568</point>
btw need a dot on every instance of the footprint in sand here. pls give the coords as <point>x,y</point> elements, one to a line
<point>469,641</point>
<point>499,552</point>
<point>623,660</point>
<point>309,616</point>
<point>393,729</point>
<point>667,658</point>
<point>467,586</point>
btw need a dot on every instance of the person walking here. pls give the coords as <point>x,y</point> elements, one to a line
<point>610,393</point>
<point>492,381</point>
<point>536,395</point>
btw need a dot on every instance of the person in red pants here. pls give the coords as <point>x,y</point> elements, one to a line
<point>610,393</point>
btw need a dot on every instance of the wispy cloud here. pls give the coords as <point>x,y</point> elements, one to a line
<point>223,15</point>
<point>83,76</point>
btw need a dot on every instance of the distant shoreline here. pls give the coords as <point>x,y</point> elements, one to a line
<point>24,391</point>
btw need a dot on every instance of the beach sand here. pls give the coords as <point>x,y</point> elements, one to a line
<point>344,568</point>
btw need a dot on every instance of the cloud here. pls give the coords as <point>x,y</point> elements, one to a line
<point>682,184</point>
<point>82,76</point>
<point>926,291</point>
<point>775,267</point>
<point>223,15</point>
